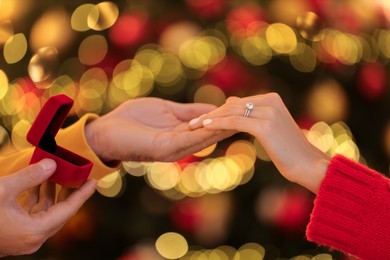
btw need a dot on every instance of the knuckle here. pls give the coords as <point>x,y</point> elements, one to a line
<point>230,110</point>
<point>275,99</point>
<point>31,173</point>
<point>236,120</point>
<point>271,113</point>
<point>266,127</point>
<point>274,96</point>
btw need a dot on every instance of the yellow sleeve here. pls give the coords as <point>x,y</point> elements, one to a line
<point>15,161</point>
<point>73,139</point>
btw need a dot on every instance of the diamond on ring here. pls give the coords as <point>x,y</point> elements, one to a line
<point>249,107</point>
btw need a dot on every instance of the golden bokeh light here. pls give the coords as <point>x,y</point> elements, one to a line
<point>188,184</point>
<point>384,42</point>
<point>163,176</point>
<point>166,68</point>
<point>256,50</point>
<point>218,175</point>
<point>281,38</point>
<point>63,85</point>
<point>131,79</point>
<point>346,48</point>
<point>110,185</point>
<point>96,79</point>
<point>72,67</point>
<point>81,15</point>
<point>6,31</point>
<point>43,65</point>
<point>250,251</point>
<point>138,81</point>
<point>206,151</point>
<point>202,53</point>
<point>3,84</point>
<point>349,149</point>
<point>119,72</point>
<point>107,14</point>
<point>14,10</point>
<point>245,166</point>
<point>242,147</point>
<point>11,104</point>
<point>31,106</point>
<point>135,168</point>
<point>15,48</point>
<point>321,136</point>
<point>201,175</point>
<point>88,100</point>
<point>309,26</point>
<point>177,34</point>
<point>333,139</point>
<point>328,102</point>
<point>287,11</point>
<point>322,257</point>
<point>52,29</point>
<point>210,94</point>
<point>171,245</point>
<point>303,59</point>
<point>19,133</point>
<point>260,151</point>
<point>93,49</point>
<point>370,48</point>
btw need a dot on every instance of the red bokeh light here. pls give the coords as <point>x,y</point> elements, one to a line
<point>372,81</point>
<point>207,8</point>
<point>245,19</point>
<point>130,30</point>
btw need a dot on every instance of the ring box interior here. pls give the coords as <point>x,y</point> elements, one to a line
<point>72,169</point>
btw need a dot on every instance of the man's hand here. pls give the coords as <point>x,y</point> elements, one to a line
<point>28,221</point>
<point>150,129</point>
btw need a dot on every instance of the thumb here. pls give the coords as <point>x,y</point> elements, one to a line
<point>29,177</point>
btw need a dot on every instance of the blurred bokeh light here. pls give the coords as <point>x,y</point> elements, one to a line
<point>328,60</point>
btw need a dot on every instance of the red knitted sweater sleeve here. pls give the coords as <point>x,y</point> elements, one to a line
<point>352,211</point>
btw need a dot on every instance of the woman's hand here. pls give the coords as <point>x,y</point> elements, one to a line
<point>150,129</point>
<point>273,126</point>
<point>29,214</point>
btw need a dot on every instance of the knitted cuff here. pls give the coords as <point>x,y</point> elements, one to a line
<point>352,211</point>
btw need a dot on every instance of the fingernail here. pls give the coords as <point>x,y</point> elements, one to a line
<point>207,121</point>
<point>48,164</point>
<point>194,121</point>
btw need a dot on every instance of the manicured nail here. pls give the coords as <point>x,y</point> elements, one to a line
<point>207,121</point>
<point>48,164</point>
<point>194,121</point>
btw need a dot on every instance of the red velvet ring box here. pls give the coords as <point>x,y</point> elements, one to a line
<point>72,169</point>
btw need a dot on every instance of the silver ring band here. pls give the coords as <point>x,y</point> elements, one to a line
<point>249,107</point>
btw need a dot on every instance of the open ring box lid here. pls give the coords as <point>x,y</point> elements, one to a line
<point>72,169</point>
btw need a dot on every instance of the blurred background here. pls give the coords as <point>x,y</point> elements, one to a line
<point>327,59</point>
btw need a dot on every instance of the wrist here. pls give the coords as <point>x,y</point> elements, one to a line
<point>312,176</point>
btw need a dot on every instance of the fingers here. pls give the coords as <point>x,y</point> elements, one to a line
<point>47,193</point>
<point>63,194</point>
<point>264,106</point>
<point>29,177</point>
<point>60,213</point>
<point>235,123</point>
<point>186,112</point>
<point>29,198</point>
<point>194,142</point>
